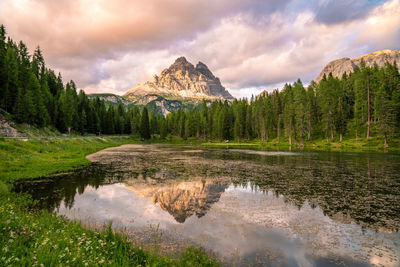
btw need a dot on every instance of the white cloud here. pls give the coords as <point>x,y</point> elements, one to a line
<point>111,46</point>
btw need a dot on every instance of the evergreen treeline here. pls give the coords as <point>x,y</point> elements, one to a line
<point>363,104</point>
<point>34,94</point>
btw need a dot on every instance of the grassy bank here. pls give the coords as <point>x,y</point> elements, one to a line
<point>373,144</point>
<point>38,157</point>
<point>361,145</point>
<point>32,238</point>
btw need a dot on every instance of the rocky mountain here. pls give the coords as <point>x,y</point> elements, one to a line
<point>183,199</point>
<point>182,80</point>
<point>346,65</point>
<point>182,85</point>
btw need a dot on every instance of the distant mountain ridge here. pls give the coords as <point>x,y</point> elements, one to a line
<point>346,65</point>
<point>181,80</point>
<point>110,98</point>
<point>153,102</point>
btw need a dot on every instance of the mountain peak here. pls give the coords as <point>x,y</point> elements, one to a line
<point>180,60</point>
<point>181,63</point>
<point>182,79</point>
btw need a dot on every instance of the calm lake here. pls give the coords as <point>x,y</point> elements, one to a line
<point>245,207</point>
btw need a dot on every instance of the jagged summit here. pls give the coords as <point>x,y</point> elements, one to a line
<point>346,65</point>
<point>183,80</point>
<point>180,60</point>
<point>181,63</point>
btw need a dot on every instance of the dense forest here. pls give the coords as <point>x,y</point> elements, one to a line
<point>364,103</point>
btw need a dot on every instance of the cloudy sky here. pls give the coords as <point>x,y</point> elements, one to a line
<point>253,45</point>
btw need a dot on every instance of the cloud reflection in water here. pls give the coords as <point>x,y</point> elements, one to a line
<point>237,222</point>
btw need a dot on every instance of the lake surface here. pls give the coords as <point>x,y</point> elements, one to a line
<point>260,208</point>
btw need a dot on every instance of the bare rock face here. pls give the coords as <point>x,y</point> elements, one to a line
<point>182,79</point>
<point>346,65</point>
<point>7,128</point>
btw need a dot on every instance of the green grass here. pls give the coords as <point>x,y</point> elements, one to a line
<point>34,158</point>
<point>41,238</point>
<point>34,238</point>
<point>373,144</point>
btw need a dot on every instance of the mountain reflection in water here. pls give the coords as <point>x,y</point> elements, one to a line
<point>294,209</point>
<point>181,200</point>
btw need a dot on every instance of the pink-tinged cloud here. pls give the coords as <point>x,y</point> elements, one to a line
<point>109,46</point>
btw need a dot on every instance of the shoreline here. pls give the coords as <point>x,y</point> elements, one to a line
<point>35,237</point>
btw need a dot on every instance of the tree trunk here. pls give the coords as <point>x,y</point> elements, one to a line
<point>386,143</point>
<point>263,129</point>
<point>341,137</point>
<point>309,134</point>
<point>369,110</point>
<point>331,134</point>
<point>375,115</point>
<point>302,141</point>
<point>290,139</point>
<point>279,128</point>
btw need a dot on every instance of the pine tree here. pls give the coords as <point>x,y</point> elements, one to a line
<point>277,112</point>
<point>392,79</point>
<point>41,117</point>
<point>31,98</point>
<point>310,109</point>
<point>110,129</point>
<point>38,63</point>
<point>364,92</point>
<point>385,113</point>
<point>259,118</point>
<point>135,120</point>
<point>180,123</point>
<point>20,112</point>
<point>249,122</point>
<point>387,101</point>
<point>153,123</point>
<point>300,109</point>
<point>289,112</point>
<point>12,82</point>
<point>342,108</point>
<point>144,125</point>
<point>328,104</point>
<point>204,119</point>
<point>269,117</point>
<point>3,71</point>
